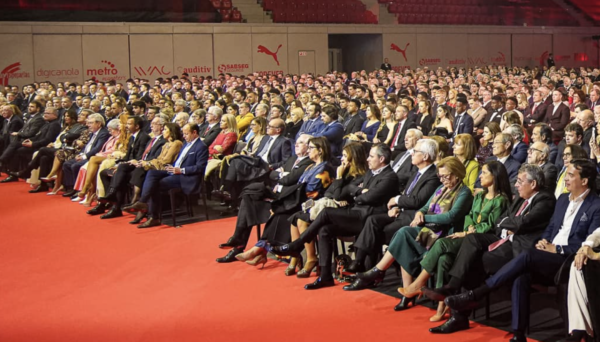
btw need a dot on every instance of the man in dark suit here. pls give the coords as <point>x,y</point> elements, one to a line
<point>404,124</point>
<point>13,99</point>
<point>312,122</point>
<point>501,148</point>
<point>212,129</point>
<point>538,154</point>
<point>185,174</point>
<point>66,104</point>
<point>585,118</point>
<point>379,229</point>
<point>285,176</point>
<point>23,154</point>
<point>519,150</point>
<point>536,112</point>
<point>573,136</point>
<point>558,116</point>
<point>98,136</point>
<point>463,122</point>
<point>370,198</point>
<point>12,123</point>
<point>31,128</point>
<point>402,164</point>
<point>139,148</point>
<point>594,99</point>
<point>517,230</point>
<point>496,111</point>
<point>353,121</point>
<point>576,216</point>
<point>386,66</point>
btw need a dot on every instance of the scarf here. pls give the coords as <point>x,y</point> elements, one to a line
<point>443,199</point>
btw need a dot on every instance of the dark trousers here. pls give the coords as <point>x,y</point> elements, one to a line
<point>378,230</point>
<point>331,223</point>
<point>155,182</point>
<point>21,158</point>
<point>530,266</point>
<point>8,155</point>
<point>70,170</point>
<point>119,181</point>
<point>43,160</point>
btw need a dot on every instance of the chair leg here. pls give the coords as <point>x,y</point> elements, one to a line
<point>204,203</point>
<point>487,307</point>
<point>258,233</point>
<point>173,216</point>
<point>190,209</point>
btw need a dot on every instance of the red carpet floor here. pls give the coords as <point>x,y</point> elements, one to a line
<point>65,276</point>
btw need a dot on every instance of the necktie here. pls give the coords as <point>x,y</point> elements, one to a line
<point>90,143</point>
<point>534,108</point>
<point>266,148</point>
<point>502,241</point>
<point>413,183</point>
<point>206,131</point>
<point>457,124</point>
<point>148,148</point>
<point>395,140</point>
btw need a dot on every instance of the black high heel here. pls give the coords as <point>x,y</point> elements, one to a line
<point>365,280</point>
<point>404,302</point>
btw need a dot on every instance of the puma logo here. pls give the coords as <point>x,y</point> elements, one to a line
<point>403,52</point>
<point>262,49</point>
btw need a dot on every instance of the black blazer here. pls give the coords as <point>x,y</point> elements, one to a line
<point>420,194</point>
<point>532,118</point>
<point>73,133</point>
<point>47,134</point>
<point>211,135</point>
<point>15,125</point>
<point>32,127</point>
<point>399,146</point>
<point>381,188</point>
<point>425,125</point>
<point>279,152</point>
<point>528,226</point>
<point>464,126</point>
<point>405,170</point>
<point>352,124</point>
<point>295,172</point>
<point>559,120</point>
<point>497,117</point>
<point>135,148</point>
<point>155,150</point>
<point>550,175</point>
<point>101,138</point>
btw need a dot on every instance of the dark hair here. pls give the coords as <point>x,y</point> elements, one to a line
<point>384,151</point>
<point>262,122</point>
<point>356,102</point>
<point>330,111</point>
<point>587,170</point>
<point>574,127</point>
<point>545,133</point>
<point>375,111</point>
<point>175,131</point>
<point>194,127</point>
<point>577,152</point>
<point>501,181</point>
<point>357,156</point>
<point>322,144</point>
<point>235,107</point>
<point>462,100</point>
<point>137,121</point>
<point>72,115</point>
<point>140,104</point>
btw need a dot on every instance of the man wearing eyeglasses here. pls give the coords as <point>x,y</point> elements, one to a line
<point>537,154</point>
<point>501,148</point>
<point>573,136</point>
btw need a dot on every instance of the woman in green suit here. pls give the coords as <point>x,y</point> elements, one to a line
<point>488,205</point>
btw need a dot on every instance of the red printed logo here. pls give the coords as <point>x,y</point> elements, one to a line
<point>232,67</point>
<point>403,52</point>
<point>12,71</point>
<point>262,49</point>
<point>499,60</point>
<point>151,70</point>
<point>543,58</point>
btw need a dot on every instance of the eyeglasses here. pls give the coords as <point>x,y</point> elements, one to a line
<point>531,149</point>
<point>416,151</point>
<point>567,155</point>
<point>311,147</point>
<point>446,177</point>
<point>273,127</point>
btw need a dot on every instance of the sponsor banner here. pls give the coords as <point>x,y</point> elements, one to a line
<point>58,58</point>
<point>455,50</point>
<point>430,50</point>
<point>233,53</point>
<point>193,54</point>
<point>105,57</point>
<point>531,50</point>
<point>400,50</point>
<point>151,56</point>
<point>16,62</point>
<point>270,53</point>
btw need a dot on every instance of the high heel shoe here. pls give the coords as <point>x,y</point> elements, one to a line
<point>54,192</point>
<point>89,199</point>
<point>366,279</point>
<point>76,198</point>
<point>259,259</point>
<point>417,294</point>
<point>438,317</point>
<point>249,255</point>
<point>48,179</point>
<point>307,269</point>
<point>294,263</point>
<point>404,302</point>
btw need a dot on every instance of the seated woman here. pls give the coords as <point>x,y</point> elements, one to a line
<point>68,152</point>
<point>487,140</point>
<point>223,145</point>
<point>114,148</point>
<point>258,127</point>
<point>570,152</point>
<point>370,126</point>
<point>464,150</point>
<point>385,132</point>
<point>351,171</point>
<point>168,154</point>
<point>443,119</point>
<point>447,208</point>
<point>294,123</point>
<point>424,118</point>
<point>488,205</point>
<point>307,172</point>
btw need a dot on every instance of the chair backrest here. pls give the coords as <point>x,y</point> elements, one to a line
<point>239,146</point>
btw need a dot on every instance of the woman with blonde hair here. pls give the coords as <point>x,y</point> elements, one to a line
<point>464,149</point>
<point>293,123</point>
<point>223,145</point>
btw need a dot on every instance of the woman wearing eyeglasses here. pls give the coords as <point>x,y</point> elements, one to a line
<point>447,208</point>
<point>569,153</point>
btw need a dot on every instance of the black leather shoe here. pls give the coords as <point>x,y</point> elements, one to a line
<point>9,179</point>
<point>319,284</point>
<point>405,303</point>
<point>111,197</point>
<point>138,218</point>
<point>22,174</point>
<point>576,336</point>
<point>438,294</point>
<point>41,188</point>
<point>230,243</point>
<point>100,208</point>
<point>462,302</point>
<point>451,325</point>
<point>151,222</point>
<point>112,213</point>
<point>355,267</point>
<point>230,257</point>
<point>520,337</point>
<point>359,284</point>
<point>290,249</point>
<point>69,193</point>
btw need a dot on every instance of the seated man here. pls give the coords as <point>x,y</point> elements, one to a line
<point>519,148</point>
<point>22,155</point>
<point>380,183</point>
<point>379,229</point>
<point>538,154</point>
<point>584,293</point>
<point>12,123</point>
<point>576,216</point>
<point>501,148</point>
<point>185,174</point>
<point>212,127</point>
<point>402,164</point>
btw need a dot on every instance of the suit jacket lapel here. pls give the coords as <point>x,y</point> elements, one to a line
<point>187,154</point>
<point>582,209</point>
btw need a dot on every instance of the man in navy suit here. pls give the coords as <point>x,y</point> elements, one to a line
<point>501,148</point>
<point>463,121</point>
<point>576,216</point>
<point>313,123</point>
<point>99,135</point>
<point>519,150</point>
<point>333,130</point>
<point>185,174</point>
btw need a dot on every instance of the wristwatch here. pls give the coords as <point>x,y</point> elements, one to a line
<point>559,250</point>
